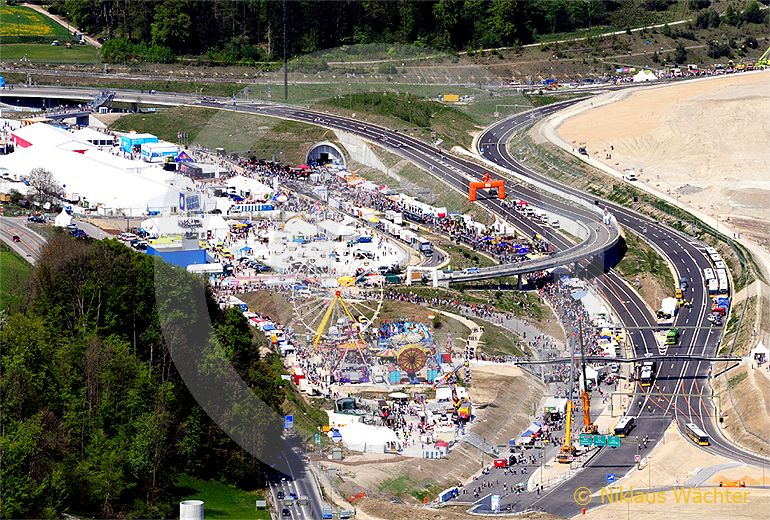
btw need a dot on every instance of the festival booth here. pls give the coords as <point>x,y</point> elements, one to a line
<point>217,228</point>
<point>369,439</point>
<point>63,219</point>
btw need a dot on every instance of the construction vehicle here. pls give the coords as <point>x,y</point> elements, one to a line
<point>567,452</point>
<point>588,426</point>
<point>679,295</point>
<point>764,60</point>
<point>462,407</point>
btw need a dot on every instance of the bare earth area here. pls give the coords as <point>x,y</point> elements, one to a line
<point>702,142</point>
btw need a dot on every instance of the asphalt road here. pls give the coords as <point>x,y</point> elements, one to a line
<point>31,242</point>
<point>684,383</point>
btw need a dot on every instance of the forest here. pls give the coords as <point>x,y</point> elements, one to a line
<point>251,31</point>
<point>95,418</point>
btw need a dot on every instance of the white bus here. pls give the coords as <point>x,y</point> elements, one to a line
<point>697,435</point>
<point>624,426</point>
<point>708,274</point>
<point>713,286</point>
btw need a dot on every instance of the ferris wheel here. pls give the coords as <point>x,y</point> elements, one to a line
<point>335,309</point>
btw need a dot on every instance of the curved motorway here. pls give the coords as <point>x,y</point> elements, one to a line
<point>681,390</point>
<point>681,385</point>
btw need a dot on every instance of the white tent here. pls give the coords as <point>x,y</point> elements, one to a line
<point>336,229</point>
<point>99,178</point>
<point>63,219</point>
<point>370,439</point>
<point>218,227</point>
<point>644,75</point>
<point>248,188</point>
<point>301,228</point>
<point>760,352</point>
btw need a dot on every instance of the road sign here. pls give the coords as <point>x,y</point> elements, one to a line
<point>261,504</point>
<point>586,439</point>
<point>610,478</point>
<point>288,422</point>
<point>600,440</point>
<point>637,458</point>
<point>613,441</point>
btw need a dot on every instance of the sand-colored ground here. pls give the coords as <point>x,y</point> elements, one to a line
<point>675,462</point>
<point>702,142</point>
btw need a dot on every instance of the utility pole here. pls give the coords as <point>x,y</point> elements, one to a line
<point>285,61</point>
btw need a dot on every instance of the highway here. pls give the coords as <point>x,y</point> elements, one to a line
<point>684,383</point>
<point>30,241</point>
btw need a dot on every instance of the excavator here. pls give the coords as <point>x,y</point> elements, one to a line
<point>567,452</point>
<point>462,406</point>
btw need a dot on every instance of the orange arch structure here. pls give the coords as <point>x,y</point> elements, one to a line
<point>486,183</point>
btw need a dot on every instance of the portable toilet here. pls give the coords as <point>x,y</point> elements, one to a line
<point>394,377</point>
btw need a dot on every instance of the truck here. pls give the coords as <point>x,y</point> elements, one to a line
<point>672,337</point>
<point>425,247</point>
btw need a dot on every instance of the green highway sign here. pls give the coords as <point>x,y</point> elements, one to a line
<point>613,441</point>
<point>600,440</point>
<point>586,439</point>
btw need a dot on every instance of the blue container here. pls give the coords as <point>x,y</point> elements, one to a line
<point>395,377</point>
<point>432,374</point>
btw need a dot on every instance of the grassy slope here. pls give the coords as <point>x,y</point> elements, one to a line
<point>654,274</point>
<point>14,271</point>
<point>408,113</point>
<point>45,53</point>
<point>264,136</point>
<point>221,500</point>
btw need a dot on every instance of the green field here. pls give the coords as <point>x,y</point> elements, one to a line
<point>220,500</point>
<point>14,271</point>
<point>265,137</point>
<point>45,53</point>
<point>20,23</point>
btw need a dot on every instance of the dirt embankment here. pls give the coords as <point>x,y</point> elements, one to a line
<point>701,142</point>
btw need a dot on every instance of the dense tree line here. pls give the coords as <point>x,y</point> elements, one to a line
<point>252,30</point>
<point>95,418</point>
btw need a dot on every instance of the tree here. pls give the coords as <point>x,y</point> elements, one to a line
<point>680,54</point>
<point>732,16</point>
<point>171,25</point>
<point>45,187</point>
<point>752,13</point>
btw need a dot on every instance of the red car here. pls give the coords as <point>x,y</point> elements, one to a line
<point>16,238</point>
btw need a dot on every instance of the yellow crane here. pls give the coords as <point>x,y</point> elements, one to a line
<point>764,60</point>
<point>567,451</point>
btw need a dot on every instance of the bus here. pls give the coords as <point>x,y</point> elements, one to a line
<point>696,434</point>
<point>624,426</point>
<point>713,286</point>
<point>708,274</point>
<point>647,373</point>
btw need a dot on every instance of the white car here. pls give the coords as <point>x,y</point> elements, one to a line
<point>127,237</point>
